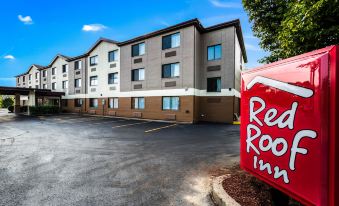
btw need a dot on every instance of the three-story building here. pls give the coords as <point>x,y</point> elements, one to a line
<point>184,72</point>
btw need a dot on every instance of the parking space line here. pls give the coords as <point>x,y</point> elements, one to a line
<point>126,125</point>
<point>160,128</point>
<point>110,121</point>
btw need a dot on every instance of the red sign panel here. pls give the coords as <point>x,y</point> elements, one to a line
<point>285,125</point>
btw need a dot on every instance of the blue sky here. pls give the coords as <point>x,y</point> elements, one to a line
<point>34,31</point>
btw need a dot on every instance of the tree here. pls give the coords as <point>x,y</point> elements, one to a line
<point>5,102</point>
<point>287,28</point>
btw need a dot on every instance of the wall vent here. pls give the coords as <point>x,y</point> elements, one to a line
<point>93,69</point>
<point>138,60</point>
<point>214,68</point>
<point>137,86</point>
<point>170,54</point>
<point>170,84</point>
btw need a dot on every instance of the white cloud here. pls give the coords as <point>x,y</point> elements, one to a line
<point>249,36</point>
<point>93,27</point>
<point>251,47</point>
<point>26,19</point>
<point>225,4</point>
<point>9,57</point>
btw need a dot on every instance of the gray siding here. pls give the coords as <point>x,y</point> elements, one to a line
<point>154,58</point>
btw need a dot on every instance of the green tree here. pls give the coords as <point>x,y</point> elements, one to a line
<point>6,102</point>
<point>287,28</point>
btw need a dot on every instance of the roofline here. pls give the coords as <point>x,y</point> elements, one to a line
<point>192,22</point>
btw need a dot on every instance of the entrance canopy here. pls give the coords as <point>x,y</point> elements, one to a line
<point>33,95</point>
<point>26,91</point>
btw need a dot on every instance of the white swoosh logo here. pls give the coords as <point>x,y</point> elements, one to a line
<point>300,91</point>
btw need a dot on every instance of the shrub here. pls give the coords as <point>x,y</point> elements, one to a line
<point>7,102</point>
<point>38,110</point>
<point>11,109</point>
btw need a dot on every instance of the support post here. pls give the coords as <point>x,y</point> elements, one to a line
<point>17,104</point>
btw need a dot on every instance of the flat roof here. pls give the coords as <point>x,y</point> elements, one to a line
<point>25,91</point>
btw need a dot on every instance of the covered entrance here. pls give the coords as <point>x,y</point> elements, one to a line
<point>32,97</point>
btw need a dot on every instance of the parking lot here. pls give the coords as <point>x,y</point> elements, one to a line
<point>86,160</point>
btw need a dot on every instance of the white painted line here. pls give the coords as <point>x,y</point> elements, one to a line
<point>159,128</point>
<point>126,125</point>
<point>300,91</point>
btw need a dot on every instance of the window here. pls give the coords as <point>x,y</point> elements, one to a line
<point>36,86</point>
<point>65,84</point>
<point>113,56</point>
<point>77,83</point>
<point>138,103</point>
<point>23,78</point>
<point>78,65</point>
<point>214,52</point>
<point>93,81</point>
<point>44,86</point>
<point>53,86</point>
<point>18,80</point>
<point>171,41</point>
<point>77,102</point>
<point>44,73</point>
<point>138,49</point>
<point>64,103</point>
<point>93,103</point>
<point>65,68</point>
<point>37,75</point>
<point>214,84</point>
<point>113,103</point>
<point>53,71</point>
<point>170,70</point>
<point>138,74</point>
<point>113,78</point>
<point>170,103</point>
<point>30,77</point>
<point>93,60</point>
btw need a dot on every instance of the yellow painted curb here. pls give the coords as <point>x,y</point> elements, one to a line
<point>237,123</point>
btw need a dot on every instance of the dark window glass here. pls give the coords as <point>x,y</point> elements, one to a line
<point>93,103</point>
<point>93,60</point>
<point>53,86</point>
<point>113,56</point>
<point>170,70</point>
<point>138,49</point>
<point>64,68</point>
<point>214,52</point>
<point>77,83</point>
<point>77,65</point>
<point>171,41</point>
<point>113,78</point>
<point>138,74</point>
<point>77,102</point>
<point>93,81</point>
<point>214,84</point>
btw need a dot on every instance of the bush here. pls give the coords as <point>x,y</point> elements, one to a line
<point>11,109</point>
<point>38,110</point>
<point>7,102</point>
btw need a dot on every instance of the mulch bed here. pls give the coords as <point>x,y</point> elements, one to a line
<point>246,189</point>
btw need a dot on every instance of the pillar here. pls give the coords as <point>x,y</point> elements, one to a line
<point>31,101</point>
<point>17,104</point>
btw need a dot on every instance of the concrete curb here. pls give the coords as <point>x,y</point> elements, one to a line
<point>219,195</point>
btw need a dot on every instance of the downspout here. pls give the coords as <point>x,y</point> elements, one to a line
<point>194,86</point>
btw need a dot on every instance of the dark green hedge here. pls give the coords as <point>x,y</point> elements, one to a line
<point>37,110</point>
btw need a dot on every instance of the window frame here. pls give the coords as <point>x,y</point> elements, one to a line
<point>96,80</point>
<point>170,36</point>
<point>90,60</point>
<point>138,45</point>
<point>115,56</point>
<point>65,68</point>
<point>114,105</point>
<point>171,103</point>
<point>214,58</point>
<point>138,103</point>
<point>65,84</point>
<point>211,78</point>
<point>53,85</point>
<point>132,74</point>
<point>78,65</point>
<point>91,103</point>
<point>115,80</point>
<point>171,68</point>
<point>75,83</point>
<point>77,103</point>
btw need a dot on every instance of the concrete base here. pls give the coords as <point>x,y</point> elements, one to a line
<point>219,195</point>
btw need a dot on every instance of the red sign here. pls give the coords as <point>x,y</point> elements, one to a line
<point>288,133</point>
